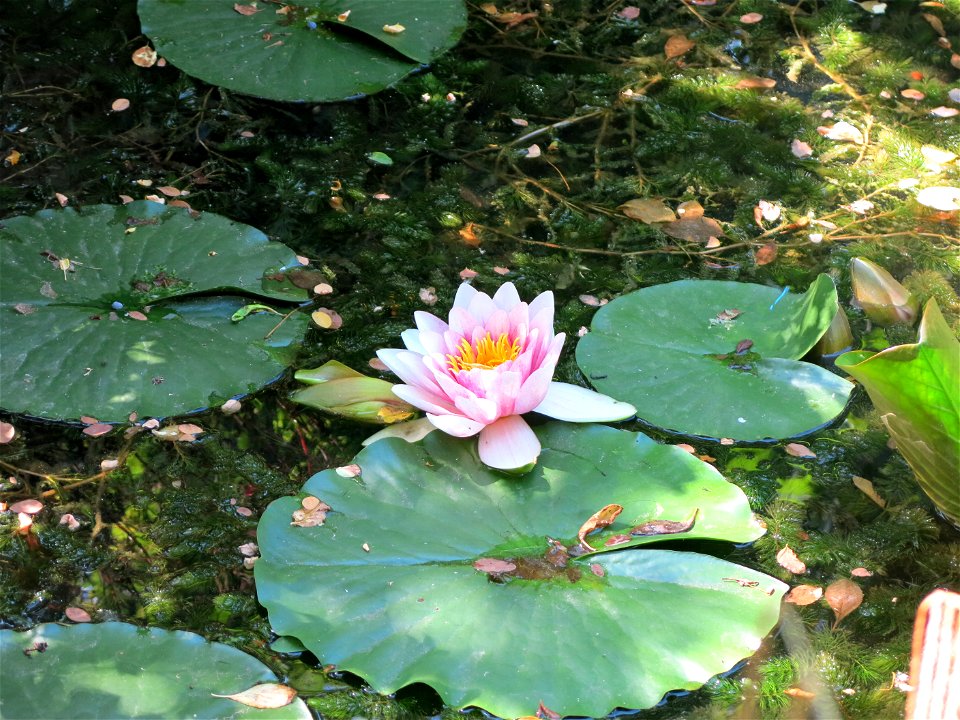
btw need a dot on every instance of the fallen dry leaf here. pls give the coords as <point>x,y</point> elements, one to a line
<point>912,94</point>
<point>788,560</point>
<point>755,83</point>
<point>678,45</point>
<point>942,198</point>
<point>70,521</point>
<point>751,18</point>
<point>767,254</point>
<point>843,596</point>
<point>861,572</point>
<point>468,235</point>
<point>697,229</point>
<point>493,566</point>
<point>246,9</point>
<point>428,295</point>
<point>120,104</point>
<point>230,407</point>
<point>690,210</point>
<point>78,615</point>
<point>326,319</point>
<point>597,569</point>
<point>800,149</point>
<point>935,23</point>
<point>28,506</point>
<point>322,289</point>
<point>604,517</point>
<point>798,450</point>
<point>313,511</point>
<point>648,210</point>
<point>97,430</point>
<point>803,595</point>
<point>842,132</point>
<point>665,527</point>
<point>467,274</point>
<point>944,112</point>
<point>144,57</point>
<point>349,471</point>
<point>866,487</point>
<point>798,693</point>
<point>264,696</point>
<point>630,12</point>
<point>7,432</point>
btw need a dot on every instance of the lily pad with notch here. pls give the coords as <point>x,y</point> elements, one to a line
<point>431,567</point>
<point>113,670</point>
<point>718,359</point>
<point>110,310</point>
<point>310,51</point>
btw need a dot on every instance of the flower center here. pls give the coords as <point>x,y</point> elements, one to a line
<point>486,355</point>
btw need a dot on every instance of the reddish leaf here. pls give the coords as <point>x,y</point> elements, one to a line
<point>78,615</point>
<point>798,450</point>
<point>97,430</point>
<point>494,566</point>
<point>29,506</point>
<point>755,83</point>
<point>264,696</point>
<point>803,595</point>
<point>767,254</point>
<point>843,596</point>
<point>788,560</point>
<point>677,45</point>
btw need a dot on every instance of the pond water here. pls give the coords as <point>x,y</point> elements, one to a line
<point>511,156</point>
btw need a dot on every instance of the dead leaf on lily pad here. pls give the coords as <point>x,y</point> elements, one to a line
<point>493,566</point>
<point>648,210</point>
<point>604,517</point>
<point>843,596</point>
<point>264,696</point>
<point>313,512</point>
<point>788,560</point>
<point>678,45</point>
<point>803,595</point>
<point>665,527</point>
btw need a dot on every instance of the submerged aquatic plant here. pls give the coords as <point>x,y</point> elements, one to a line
<point>492,363</point>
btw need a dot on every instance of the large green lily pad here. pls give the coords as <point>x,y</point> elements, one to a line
<point>116,670</point>
<point>915,387</point>
<point>68,353</point>
<point>315,50</point>
<point>387,588</point>
<point>670,351</point>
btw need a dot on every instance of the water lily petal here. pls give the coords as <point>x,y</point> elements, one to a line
<point>409,367</point>
<point>477,408</point>
<point>419,398</point>
<point>508,444</point>
<point>456,425</point>
<point>578,404</point>
<point>465,293</point>
<point>534,390</point>
<point>428,322</point>
<point>411,431</point>
<point>411,338</point>
<point>506,296</point>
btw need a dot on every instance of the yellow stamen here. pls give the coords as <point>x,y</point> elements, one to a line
<point>486,355</point>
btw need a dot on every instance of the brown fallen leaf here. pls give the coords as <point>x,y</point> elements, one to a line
<point>77,615</point>
<point>803,595</point>
<point>616,540</point>
<point>788,560</point>
<point>264,696</point>
<point>690,209</point>
<point>861,572</point>
<point>798,693</point>
<point>665,527</point>
<point>494,566</point>
<point>647,210</point>
<point>751,18</point>
<point>604,517</point>
<point>678,45</point>
<point>7,433</point>
<point>843,596</point>
<point>755,83</point>
<point>798,450</point>
<point>28,506</point>
<point>246,9</point>
<point>468,235</point>
<point>767,254</point>
<point>144,57</point>
<point>696,229</point>
<point>97,430</point>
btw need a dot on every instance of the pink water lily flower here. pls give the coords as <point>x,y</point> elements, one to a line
<point>492,363</point>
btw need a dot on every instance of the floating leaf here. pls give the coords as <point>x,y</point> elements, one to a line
<point>648,210</point>
<point>678,45</point>
<point>766,254</point>
<point>843,596</point>
<point>800,149</point>
<point>171,360</point>
<point>943,198</point>
<point>751,18</point>
<point>29,506</point>
<point>125,671</point>
<point>664,347</point>
<point>77,615</point>
<point>842,132</point>
<point>264,696</point>
<point>120,104</point>
<point>866,487</point>
<point>788,560</point>
<point>798,450</point>
<point>396,616</point>
<point>755,83</point>
<point>804,595</point>
<point>665,527</point>
<point>604,517</point>
<point>337,50</point>
<point>493,566</point>
<point>144,57</point>
<point>7,433</point>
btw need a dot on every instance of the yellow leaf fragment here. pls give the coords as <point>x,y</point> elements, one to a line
<point>394,29</point>
<point>866,487</point>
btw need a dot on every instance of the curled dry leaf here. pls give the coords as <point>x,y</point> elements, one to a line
<point>62,199</point>
<point>349,471</point>
<point>264,696</point>
<point>690,210</point>
<point>534,151</point>
<point>803,595</point>
<point>647,210</point>
<point>678,45</point>
<point>24,523</point>
<point>78,615</point>
<point>687,448</point>
<point>7,433</point>
<point>28,506</point>
<point>665,527</point>
<point>843,596</point>
<point>788,560</point>
<point>590,300</point>
<point>144,57</point>
<point>800,149</point>
<point>394,29</point>
<point>693,229</point>
<point>70,521</point>
<point>604,517</point>
<point>170,191</point>
<point>501,270</point>
<point>313,512</point>
<point>97,429</point>
<point>798,450</point>
<point>866,487</point>
<point>493,566</point>
<point>326,319</point>
<point>248,549</point>
<point>799,693</point>
<point>243,511</point>
<point>428,295</point>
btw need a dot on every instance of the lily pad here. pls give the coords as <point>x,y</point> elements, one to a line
<point>391,586</point>
<point>110,310</point>
<point>314,50</point>
<point>116,670</point>
<point>718,359</point>
<point>915,388</point>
